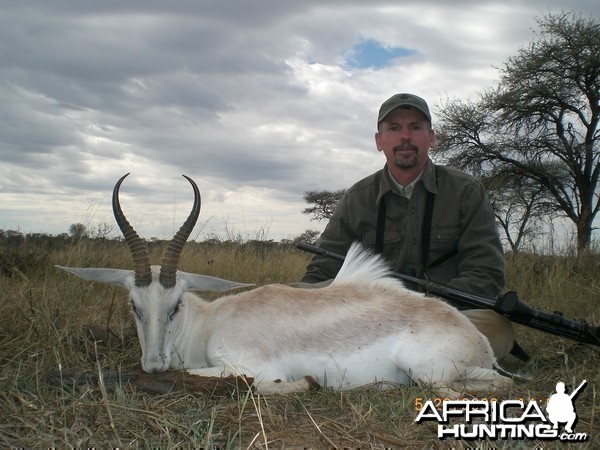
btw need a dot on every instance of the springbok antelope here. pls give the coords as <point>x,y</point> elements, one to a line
<point>364,327</point>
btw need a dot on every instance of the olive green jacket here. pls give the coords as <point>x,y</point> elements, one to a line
<point>464,251</point>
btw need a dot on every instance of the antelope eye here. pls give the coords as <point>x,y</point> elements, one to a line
<point>135,311</point>
<point>175,310</point>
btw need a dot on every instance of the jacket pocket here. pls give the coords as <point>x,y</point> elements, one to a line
<point>369,237</point>
<point>443,245</point>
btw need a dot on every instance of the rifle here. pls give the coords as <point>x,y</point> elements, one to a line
<point>576,391</point>
<point>508,305</point>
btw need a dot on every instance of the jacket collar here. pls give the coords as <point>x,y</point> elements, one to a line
<point>428,178</point>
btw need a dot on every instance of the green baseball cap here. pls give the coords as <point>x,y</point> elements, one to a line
<point>406,101</point>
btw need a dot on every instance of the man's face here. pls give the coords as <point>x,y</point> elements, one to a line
<point>405,138</point>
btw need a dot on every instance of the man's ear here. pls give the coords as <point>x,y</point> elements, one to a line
<point>432,139</point>
<point>378,142</point>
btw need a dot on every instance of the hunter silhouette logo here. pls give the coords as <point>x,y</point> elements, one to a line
<point>560,407</point>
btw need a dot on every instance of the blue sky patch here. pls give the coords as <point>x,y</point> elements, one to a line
<point>372,54</point>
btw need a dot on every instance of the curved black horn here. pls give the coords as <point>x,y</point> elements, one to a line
<point>168,269</point>
<point>139,251</point>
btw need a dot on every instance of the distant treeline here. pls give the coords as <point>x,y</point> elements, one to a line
<point>21,252</point>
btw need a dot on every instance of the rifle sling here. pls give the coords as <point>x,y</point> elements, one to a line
<point>426,231</point>
<point>380,230</point>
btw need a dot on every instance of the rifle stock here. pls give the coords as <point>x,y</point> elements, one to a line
<point>508,305</point>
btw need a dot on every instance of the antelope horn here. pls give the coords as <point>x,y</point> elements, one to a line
<point>168,269</point>
<point>139,251</point>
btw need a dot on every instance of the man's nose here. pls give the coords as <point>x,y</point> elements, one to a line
<point>404,134</point>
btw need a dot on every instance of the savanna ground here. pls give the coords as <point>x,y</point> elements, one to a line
<point>43,311</point>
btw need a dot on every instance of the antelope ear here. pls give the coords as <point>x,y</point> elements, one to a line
<point>195,282</point>
<point>118,277</point>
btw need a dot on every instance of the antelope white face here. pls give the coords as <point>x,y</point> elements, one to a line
<point>155,309</point>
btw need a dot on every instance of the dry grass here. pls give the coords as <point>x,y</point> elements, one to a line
<point>42,312</point>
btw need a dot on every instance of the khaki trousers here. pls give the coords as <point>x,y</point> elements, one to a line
<point>497,328</point>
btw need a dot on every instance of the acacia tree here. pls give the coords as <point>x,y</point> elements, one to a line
<point>324,203</point>
<point>520,207</point>
<point>541,123</point>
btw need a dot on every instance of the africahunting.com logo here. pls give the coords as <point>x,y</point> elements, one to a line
<point>507,419</point>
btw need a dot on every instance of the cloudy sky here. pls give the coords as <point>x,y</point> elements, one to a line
<point>258,101</point>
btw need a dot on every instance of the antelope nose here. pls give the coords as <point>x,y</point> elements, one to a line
<point>154,363</point>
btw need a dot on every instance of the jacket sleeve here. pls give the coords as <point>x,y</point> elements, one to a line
<point>481,261</point>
